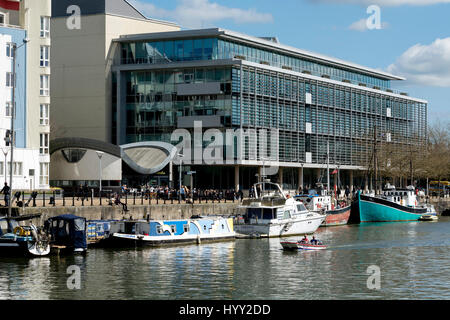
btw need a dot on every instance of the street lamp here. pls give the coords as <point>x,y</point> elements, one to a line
<point>5,152</point>
<point>13,115</point>
<point>181,163</point>
<point>99,155</point>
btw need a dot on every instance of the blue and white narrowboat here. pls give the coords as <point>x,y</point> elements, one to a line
<point>392,205</point>
<point>160,232</point>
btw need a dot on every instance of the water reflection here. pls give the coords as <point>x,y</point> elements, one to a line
<point>413,258</point>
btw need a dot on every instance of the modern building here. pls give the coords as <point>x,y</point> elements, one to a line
<point>237,107</point>
<point>305,102</point>
<point>82,31</point>
<point>25,24</point>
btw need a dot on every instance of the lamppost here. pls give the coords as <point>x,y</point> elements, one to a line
<point>99,155</point>
<point>5,152</point>
<point>181,163</point>
<point>11,139</point>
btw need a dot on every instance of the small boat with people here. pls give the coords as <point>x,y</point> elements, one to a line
<point>160,232</point>
<point>274,214</point>
<point>393,205</point>
<point>304,244</point>
<point>17,240</point>
<point>428,217</point>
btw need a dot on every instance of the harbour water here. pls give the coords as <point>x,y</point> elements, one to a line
<point>413,259</point>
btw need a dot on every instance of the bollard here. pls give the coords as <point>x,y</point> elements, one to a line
<point>54,198</point>
<point>73,199</point>
<point>134,197</point>
<point>43,199</point>
<point>100,196</point>
<point>142,198</point>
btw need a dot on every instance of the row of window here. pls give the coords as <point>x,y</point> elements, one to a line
<point>18,170</point>
<point>44,115</point>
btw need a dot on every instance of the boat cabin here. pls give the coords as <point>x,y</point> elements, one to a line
<point>404,197</point>
<point>315,202</point>
<point>67,230</point>
<point>7,225</point>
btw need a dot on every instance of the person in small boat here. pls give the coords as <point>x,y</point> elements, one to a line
<point>313,240</point>
<point>305,239</point>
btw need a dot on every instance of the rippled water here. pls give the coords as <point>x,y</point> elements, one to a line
<point>413,258</point>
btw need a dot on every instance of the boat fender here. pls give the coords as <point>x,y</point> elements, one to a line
<point>21,231</point>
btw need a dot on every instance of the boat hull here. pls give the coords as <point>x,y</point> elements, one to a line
<point>372,209</point>
<point>337,217</point>
<point>125,240</point>
<point>287,245</point>
<point>23,249</point>
<point>289,227</point>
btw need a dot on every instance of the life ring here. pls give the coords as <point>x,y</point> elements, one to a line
<point>319,206</point>
<point>21,231</point>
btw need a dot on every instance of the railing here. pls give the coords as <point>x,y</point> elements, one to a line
<point>109,198</point>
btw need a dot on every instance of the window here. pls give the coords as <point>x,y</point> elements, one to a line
<point>2,18</point>
<point>43,176</point>
<point>45,27</point>
<point>9,50</point>
<point>44,115</point>
<point>9,79</point>
<point>45,85</point>
<point>8,109</point>
<point>17,168</point>
<point>43,142</point>
<point>45,56</point>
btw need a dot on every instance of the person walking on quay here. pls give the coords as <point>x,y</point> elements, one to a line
<point>6,191</point>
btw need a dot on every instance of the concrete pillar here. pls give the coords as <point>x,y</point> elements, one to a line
<point>236,178</point>
<point>317,177</point>
<point>350,174</point>
<point>171,174</point>
<point>300,178</point>
<point>280,176</point>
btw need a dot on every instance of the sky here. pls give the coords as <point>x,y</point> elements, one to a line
<point>409,38</point>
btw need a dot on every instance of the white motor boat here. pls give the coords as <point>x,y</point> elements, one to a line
<point>274,214</point>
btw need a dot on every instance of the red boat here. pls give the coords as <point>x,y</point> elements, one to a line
<point>337,217</point>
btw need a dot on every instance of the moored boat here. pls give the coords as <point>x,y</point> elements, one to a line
<point>67,233</point>
<point>18,240</point>
<point>336,215</point>
<point>160,232</point>
<point>428,217</point>
<point>274,214</point>
<point>392,205</point>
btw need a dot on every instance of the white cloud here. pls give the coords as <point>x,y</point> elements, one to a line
<point>361,25</point>
<point>202,13</point>
<point>386,3</point>
<point>425,64</point>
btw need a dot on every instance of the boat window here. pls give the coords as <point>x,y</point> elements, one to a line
<point>173,228</point>
<point>254,213</point>
<point>79,224</point>
<point>158,229</point>
<point>287,214</point>
<point>61,224</point>
<point>301,207</point>
<point>204,227</point>
<point>267,214</point>
<point>186,228</point>
<point>4,225</point>
<point>14,224</point>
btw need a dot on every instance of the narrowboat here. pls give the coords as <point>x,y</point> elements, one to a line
<point>161,232</point>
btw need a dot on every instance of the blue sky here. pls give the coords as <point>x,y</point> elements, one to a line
<point>414,39</point>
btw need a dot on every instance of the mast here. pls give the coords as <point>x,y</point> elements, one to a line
<point>328,167</point>
<point>375,160</point>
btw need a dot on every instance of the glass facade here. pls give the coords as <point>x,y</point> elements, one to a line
<point>308,113</point>
<point>214,48</point>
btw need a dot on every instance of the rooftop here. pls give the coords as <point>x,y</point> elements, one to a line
<point>266,43</point>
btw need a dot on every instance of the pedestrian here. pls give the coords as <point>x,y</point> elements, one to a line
<point>6,191</point>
